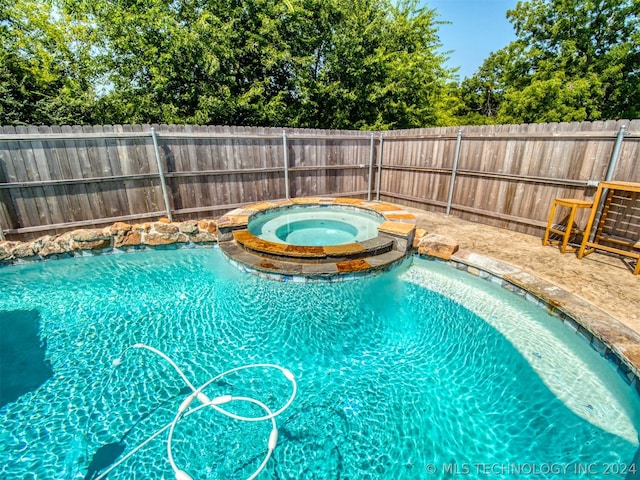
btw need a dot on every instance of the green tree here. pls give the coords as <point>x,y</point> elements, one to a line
<point>162,60</point>
<point>46,67</point>
<point>572,60</point>
<point>200,61</point>
<point>314,63</point>
<point>381,69</point>
<point>482,94</point>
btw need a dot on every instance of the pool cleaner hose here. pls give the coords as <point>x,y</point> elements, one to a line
<point>186,409</point>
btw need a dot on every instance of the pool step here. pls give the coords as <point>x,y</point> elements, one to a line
<point>313,254</point>
<point>326,268</point>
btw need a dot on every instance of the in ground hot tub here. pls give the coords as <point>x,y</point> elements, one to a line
<point>313,225</point>
<point>317,239</point>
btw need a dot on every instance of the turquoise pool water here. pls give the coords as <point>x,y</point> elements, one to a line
<point>396,380</point>
<point>313,225</point>
<point>316,232</point>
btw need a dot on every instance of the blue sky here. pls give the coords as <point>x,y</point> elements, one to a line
<point>478,27</point>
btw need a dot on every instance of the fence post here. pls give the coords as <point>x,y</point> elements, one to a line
<point>613,161</point>
<point>615,154</point>
<point>163,183</point>
<point>379,176</point>
<point>370,168</point>
<point>454,169</point>
<point>285,160</point>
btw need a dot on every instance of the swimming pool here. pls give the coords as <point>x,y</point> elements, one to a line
<point>395,379</point>
<point>315,224</point>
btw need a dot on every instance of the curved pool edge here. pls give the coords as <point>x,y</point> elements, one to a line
<point>239,217</point>
<point>612,339</point>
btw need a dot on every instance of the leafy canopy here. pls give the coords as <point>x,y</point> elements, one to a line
<point>365,64</point>
<point>573,60</point>
<point>311,63</point>
<point>45,64</point>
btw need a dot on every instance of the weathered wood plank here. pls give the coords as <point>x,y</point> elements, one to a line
<point>11,203</point>
<point>73,170</point>
<point>58,165</point>
<point>36,205</point>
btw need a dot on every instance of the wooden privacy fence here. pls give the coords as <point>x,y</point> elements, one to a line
<point>58,178</point>
<point>508,175</point>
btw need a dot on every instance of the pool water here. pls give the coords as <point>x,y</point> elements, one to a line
<point>316,232</point>
<point>315,225</point>
<point>396,379</point>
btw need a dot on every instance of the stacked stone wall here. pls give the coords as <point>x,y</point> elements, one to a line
<point>117,236</point>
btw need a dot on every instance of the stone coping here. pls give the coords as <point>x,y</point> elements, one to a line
<point>392,243</point>
<point>250,241</point>
<point>312,253</point>
<point>607,335</point>
<point>333,271</point>
<point>392,214</point>
<point>119,236</point>
<point>394,227</point>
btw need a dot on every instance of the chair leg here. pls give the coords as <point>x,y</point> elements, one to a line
<point>552,213</point>
<point>565,238</point>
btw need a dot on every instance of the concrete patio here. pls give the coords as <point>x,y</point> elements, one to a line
<point>603,280</point>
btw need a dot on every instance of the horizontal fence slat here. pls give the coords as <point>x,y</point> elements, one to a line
<point>317,168</point>
<point>85,223</point>
<point>73,181</point>
<point>215,136</point>
<point>586,135</point>
<point>524,178</point>
<point>416,169</point>
<point>258,136</point>
<point>213,173</point>
<point>72,136</point>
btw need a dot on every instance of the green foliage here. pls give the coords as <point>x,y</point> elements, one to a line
<point>313,63</point>
<point>482,94</point>
<point>573,60</point>
<point>381,69</point>
<point>45,72</point>
<point>367,64</point>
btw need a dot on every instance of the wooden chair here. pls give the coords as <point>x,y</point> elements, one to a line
<point>617,229</point>
<point>573,204</point>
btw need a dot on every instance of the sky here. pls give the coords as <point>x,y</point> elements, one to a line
<point>478,27</point>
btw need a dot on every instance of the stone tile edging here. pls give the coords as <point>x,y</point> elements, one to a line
<point>119,236</point>
<point>606,334</point>
<point>395,217</point>
<point>280,261</point>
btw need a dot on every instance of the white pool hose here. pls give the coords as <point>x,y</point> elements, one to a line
<point>185,410</point>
